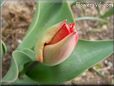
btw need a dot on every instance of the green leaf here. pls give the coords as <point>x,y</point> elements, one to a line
<point>47,14</point>
<point>108,13</point>
<point>91,18</point>
<point>3,48</point>
<point>86,54</point>
<point>12,73</point>
<point>19,59</point>
<point>30,53</point>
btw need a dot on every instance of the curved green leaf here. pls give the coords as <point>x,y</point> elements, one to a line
<point>19,59</point>
<point>30,53</point>
<point>3,48</point>
<point>47,14</point>
<point>86,54</point>
<point>12,73</point>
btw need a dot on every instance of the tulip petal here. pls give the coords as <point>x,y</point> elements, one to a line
<point>56,53</point>
<point>72,27</point>
<point>49,34</point>
<point>62,33</point>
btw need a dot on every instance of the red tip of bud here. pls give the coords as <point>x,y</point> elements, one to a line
<point>72,27</point>
<point>65,30</point>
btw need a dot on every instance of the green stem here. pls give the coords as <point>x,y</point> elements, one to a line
<point>91,18</point>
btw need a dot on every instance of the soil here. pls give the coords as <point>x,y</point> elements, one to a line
<point>17,16</point>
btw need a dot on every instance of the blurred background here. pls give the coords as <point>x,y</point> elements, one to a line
<point>94,21</point>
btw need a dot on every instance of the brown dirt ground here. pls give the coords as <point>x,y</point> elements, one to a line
<point>17,16</point>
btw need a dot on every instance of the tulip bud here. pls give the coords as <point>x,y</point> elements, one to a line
<point>57,44</point>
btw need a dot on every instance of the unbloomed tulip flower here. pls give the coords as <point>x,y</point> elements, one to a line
<point>57,44</point>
